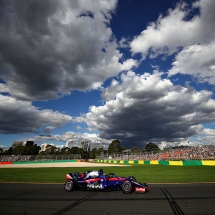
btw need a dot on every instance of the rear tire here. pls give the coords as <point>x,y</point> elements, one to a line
<point>68,186</point>
<point>127,187</point>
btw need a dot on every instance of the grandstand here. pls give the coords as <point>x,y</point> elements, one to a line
<point>206,152</point>
<point>15,158</point>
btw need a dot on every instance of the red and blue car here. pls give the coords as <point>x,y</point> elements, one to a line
<point>97,180</point>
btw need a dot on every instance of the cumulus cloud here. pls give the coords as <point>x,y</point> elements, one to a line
<point>77,137</point>
<point>180,142</point>
<point>19,117</point>
<point>3,147</point>
<point>143,108</point>
<point>196,60</point>
<point>206,137</point>
<point>182,26</point>
<point>50,48</point>
<point>188,31</point>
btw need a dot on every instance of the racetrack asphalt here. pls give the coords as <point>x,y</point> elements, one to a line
<point>166,199</point>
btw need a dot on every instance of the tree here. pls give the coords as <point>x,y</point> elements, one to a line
<point>29,143</point>
<point>85,154</point>
<point>99,151</point>
<point>9,151</point>
<point>33,149</point>
<point>50,149</point>
<point>92,154</point>
<point>58,150</point>
<point>42,153</point>
<point>114,147</point>
<point>135,149</point>
<point>27,150</point>
<point>75,150</point>
<point>65,150</point>
<point>86,150</point>
<point>1,151</point>
<point>123,148</point>
<point>105,152</point>
<point>151,147</point>
<point>19,150</point>
<point>79,151</point>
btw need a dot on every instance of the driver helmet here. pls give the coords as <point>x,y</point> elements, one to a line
<point>100,171</point>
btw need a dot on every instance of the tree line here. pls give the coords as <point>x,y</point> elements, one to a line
<point>116,147</point>
<point>29,149</point>
<point>86,153</point>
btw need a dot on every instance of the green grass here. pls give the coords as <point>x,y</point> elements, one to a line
<point>143,173</point>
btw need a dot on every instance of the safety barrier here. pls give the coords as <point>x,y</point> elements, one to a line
<point>34,162</point>
<point>162,162</point>
<point>5,163</point>
<point>146,162</point>
<point>47,161</point>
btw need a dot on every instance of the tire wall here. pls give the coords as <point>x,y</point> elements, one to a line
<point>161,162</point>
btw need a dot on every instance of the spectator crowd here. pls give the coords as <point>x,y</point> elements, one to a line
<point>14,158</point>
<point>188,153</point>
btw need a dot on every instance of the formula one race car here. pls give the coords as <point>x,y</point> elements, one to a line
<point>97,180</point>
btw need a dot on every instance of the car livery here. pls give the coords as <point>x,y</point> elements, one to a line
<point>97,180</point>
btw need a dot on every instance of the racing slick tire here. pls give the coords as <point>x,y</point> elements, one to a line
<point>127,187</point>
<point>133,178</point>
<point>68,186</point>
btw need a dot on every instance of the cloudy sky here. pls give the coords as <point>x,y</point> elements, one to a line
<point>137,71</point>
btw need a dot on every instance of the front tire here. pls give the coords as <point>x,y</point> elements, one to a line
<point>132,178</point>
<point>127,187</point>
<point>68,186</point>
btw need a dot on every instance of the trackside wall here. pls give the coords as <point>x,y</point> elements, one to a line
<point>57,161</point>
<point>162,162</point>
<point>35,162</point>
<point>5,163</point>
<point>142,162</point>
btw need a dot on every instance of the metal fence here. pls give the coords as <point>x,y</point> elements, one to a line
<point>23,158</point>
<point>55,157</point>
